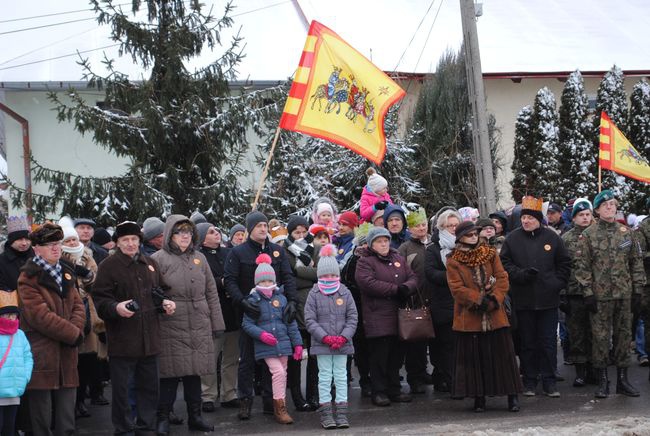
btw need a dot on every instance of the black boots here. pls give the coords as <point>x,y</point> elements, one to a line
<point>603,384</point>
<point>245,405</point>
<point>479,404</point>
<point>312,383</point>
<point>513,403</point>
<point>623,385</point>
<point>293,380</point>
<point>162,421</point>
<point>581,375</point>
<point>194,419</point>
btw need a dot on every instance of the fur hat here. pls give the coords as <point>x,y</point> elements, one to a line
<point>8,302</point>
<point>264,270</point>
<point>17,228</point>
<point>531,206</point>
<point>46,233</point>
<point>580,205</point>
<point>375,182</point>
<point>416,217</point>
<point>198,218</point>
<point>127,228</point>
<point>349,219</point>
<point>375,233</point>
<point>327,263</point>
<point>253,219</point>
<point>101,236</point>
<point>152,227</point>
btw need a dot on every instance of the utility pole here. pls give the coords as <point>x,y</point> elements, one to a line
<point>482,156</point>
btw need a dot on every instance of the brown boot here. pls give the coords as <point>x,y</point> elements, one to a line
<point>280,412</point>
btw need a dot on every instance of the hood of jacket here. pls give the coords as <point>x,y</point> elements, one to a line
<point>171,221</point>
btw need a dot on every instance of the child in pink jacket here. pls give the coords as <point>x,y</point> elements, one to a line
<point>374,196</point>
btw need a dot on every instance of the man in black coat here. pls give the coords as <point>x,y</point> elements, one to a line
<point>538,267</point>
<point>239,278</point>
<point>18,249</point>
<point>85,227</point>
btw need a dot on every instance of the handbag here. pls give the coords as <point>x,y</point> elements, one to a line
<point>415,323</point>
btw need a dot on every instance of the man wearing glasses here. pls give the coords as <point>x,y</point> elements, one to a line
<point>53,319</point>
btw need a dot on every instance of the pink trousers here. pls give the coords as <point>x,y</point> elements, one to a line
<point>278,368</point>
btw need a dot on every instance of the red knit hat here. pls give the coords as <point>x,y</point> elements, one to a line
<point>349,219</point>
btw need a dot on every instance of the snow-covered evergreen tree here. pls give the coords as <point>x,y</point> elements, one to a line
<point>612,99</point>
<point>639,136</point>
<point>523,157</point>
<point>578,163</point>
<point>545,176</point>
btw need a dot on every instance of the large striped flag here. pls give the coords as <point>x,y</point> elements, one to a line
<point>339,95</point>
<point>617,153</point>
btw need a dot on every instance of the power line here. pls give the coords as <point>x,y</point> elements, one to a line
<point>46,46</point>
<point>414,33</point>
<point>428,36</point>
<point>59,57</point>
<point>47,25</point>
<point>52,14</point>
<point>259,9</point>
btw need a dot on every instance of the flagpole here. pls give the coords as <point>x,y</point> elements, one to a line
<point>600,175</point>
<point>266,168</point>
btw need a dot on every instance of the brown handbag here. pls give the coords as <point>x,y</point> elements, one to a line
<point>415,323</point>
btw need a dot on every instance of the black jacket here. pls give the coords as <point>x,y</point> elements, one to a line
<point>442,303</point>
<point>10,263</point>
<point>147,249</point>
<point>544,250</point>
<point>216,258</point>
<point>99,252</point>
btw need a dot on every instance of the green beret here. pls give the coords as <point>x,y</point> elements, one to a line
<point>602,196</point>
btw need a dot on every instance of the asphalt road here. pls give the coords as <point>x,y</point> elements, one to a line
<point>436,413</point>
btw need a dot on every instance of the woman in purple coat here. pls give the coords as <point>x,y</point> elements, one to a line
<point>384,279</point>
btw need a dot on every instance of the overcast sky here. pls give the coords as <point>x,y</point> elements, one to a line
<point>515,35</point>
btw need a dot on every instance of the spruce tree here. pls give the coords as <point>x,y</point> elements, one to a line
<point>612,99</point>
<point>523,157</point>
<point>545,176</point>
<point>639,136</point>
<point>183,134</point>
<point>578,163</point>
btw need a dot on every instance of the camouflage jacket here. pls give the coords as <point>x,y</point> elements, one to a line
<point>610,264</point>
<point>643,235</point>
<point>572,243</point>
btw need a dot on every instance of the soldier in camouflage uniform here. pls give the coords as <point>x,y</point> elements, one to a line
<point>572,302</point>
<point>643,235</point>
<point>610,272</point>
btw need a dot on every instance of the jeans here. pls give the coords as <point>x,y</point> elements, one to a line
<point>246,370</point>
<point>332,367</point>
<point>538,354</point>
<point>640,339</point>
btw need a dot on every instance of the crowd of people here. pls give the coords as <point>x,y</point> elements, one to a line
<point>234,315</point>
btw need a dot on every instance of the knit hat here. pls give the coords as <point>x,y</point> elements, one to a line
<point>69,232</point>
<point>485,222</point>
<point>86,221</point>
<point>234,229</point>
<point>531,206</point>
<point>468,213</point>
<point>361,233</point>
<point>501,216</point>
<point>17,228</point>
<point>349,219</point>
<point>603,196</point>
<point>152,227</point>
<point>324,207</point>
<point>127,228</point>
<point>375,182</point>
<point>378,214</point>
<point>375,233</point>
<point>101,236</point>
<point>327,263</point>
<point>580,205</point>
<point>315,229</point>
<point>46,233</point>
<point>295,221</point>
<point>465,227</point>
<point>264,270</point>
<point>8,302</point>
<point>416,217</point>
<point>253,219</point>
<point>202,231</point>
<point>198,218</point>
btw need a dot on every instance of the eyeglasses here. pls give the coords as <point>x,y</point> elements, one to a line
<point>471,234</point>
<point>451,226</point>
<point>51,245</point>
<point>183,232</point>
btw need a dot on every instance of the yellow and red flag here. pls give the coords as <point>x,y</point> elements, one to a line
<point>617,153</point>
<point>339,95</point>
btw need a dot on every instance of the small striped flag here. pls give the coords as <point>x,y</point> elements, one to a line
<point>617,153</point>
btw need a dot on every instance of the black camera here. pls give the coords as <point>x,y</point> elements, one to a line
<point>133,306</point>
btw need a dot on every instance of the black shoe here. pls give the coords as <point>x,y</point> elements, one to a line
<point>380,400</point>
<point>623,385</point>
<point>80,411</point>
<point>366,391</point>
<point>194,419</point>
<point>558,377</point>
<point>232,404</point>
<point>162,422</point>
<point>581,375</point>
<point>417,389</point>
<point>513,403</point>
<point>99,400</point>
<point>267,406</point>
<point>245,405</point>
<point>208,406</point>
<point>401,398</point>
<point>603,384</point>
<point>442,387</point>
<point>479,404</point>
<point>550,390</point>
<point>175,420</point>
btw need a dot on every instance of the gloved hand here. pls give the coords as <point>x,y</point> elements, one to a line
<point>405,290</point>
<point>289,313</point>
<point>381,205</point>
<point>268,339</point>
<point>81,271</point>
<point>531,274</point>
<point>297,352</point>
<point>590,304</point>
<point>637,303</point>
<point>250,309</point>
<point>339,341</point>
<point>483,305</point>
<point>216,334</point>
<point>493,304</point>
<point>329,340</point>
<point>564,305</point>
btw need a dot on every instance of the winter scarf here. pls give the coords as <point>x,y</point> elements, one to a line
<point>8,326</point>
<point>447,243</point>
<point>267,291</point>
<point>329,286</point>
<point>303,251</point>
<point>74,252</point>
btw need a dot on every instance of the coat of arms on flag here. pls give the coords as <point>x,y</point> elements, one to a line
<point>339,95</point>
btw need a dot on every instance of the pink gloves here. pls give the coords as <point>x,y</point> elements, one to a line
<point>268,339</point>
<point>334,342</point>
<point>297,352</point>
<point>329,340</point>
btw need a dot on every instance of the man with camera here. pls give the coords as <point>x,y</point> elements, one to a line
<point>129,298</point>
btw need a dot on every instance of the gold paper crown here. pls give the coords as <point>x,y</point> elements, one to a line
<point>8,299</point>
<point>531,203</point>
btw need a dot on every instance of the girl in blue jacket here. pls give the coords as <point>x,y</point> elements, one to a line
<point>16,362</point>
<point>275,338</point>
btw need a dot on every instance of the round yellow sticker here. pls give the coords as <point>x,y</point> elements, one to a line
<point>276,254</point>
<point>623,229</point>
<point>67,276</point>
<point>276,303</point>
<point>340,251</point>
<point>197,261</point>
<point>397,264</point>
<point>151,268</point>
<point>339,301</point>
<point>547,247</point>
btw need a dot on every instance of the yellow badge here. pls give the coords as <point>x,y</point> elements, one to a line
<point>197,261</point>
<point>547,247</point>
<point>276,303</point>
<point>151,268</point>
<point>340,251</point>
<point>339,301</point>
<point>623,229</point>
<point>397,264</point>
<point>276,254</point>
<point>67,276</point>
